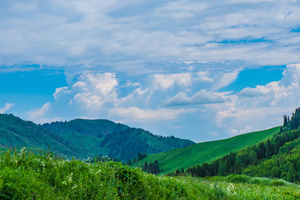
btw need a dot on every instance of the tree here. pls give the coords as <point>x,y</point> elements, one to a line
<point>141,156</point>
<point>269,149</point>
<point>145,167</point>
<point>262,150</point>
<point>285,121</point>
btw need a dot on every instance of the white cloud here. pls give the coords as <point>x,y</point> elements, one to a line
<point>181,9</point>
<point>226,80</point>
<point>40,115</point>
<point>90,91</point>
<point>215,133</point>
<point>136,114</point>
<point>247,129</point>
<point>205,77</point>
<point>200,97</point>
<point>39,112</point>
<point>165,81</point>
<point>99,95</point>
<point>262,106</point>
<point>6,107</point>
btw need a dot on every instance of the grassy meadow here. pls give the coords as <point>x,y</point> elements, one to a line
<point>25,175</point>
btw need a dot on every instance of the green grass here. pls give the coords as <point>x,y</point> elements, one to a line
<point>206,152</point>
<point>28,176</point>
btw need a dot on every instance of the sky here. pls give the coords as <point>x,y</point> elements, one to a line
<point>199,70</point>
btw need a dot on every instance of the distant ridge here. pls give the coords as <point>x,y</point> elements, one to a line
<point>84,139</point>
<point>104,137</point>
<point>17,133</point>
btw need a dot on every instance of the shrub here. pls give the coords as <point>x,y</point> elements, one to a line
<point>235,178</point>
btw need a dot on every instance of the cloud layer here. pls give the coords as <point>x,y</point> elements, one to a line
<point>109,33</point>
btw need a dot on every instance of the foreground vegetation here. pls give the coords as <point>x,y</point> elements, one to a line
<point>27,176</point>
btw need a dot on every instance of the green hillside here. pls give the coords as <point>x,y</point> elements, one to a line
<point>276,157</point>
<point>206,152</point>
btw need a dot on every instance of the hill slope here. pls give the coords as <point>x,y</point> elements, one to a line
<point>104,137</point>
<point>207,151</point>
<point>277,157</point>
<point>15,132</point>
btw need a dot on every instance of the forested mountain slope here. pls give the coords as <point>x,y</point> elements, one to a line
<point>104,137</point>
<point>84,139</point>
<point>16,133</point>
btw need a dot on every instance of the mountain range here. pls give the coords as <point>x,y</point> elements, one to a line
<point>82,139</point>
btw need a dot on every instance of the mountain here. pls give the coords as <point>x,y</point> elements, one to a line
<point>17,133</point>
<point>104,137</point>
<point>84,139</point>
<point>205,152</point>
<point>95,128</point>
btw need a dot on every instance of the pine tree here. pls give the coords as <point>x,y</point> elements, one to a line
<point>285,121</point>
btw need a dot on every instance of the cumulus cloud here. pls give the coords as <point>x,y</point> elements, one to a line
<point>100,95</point>
<point>250,92</point>
<point>263,105</point>
<point>40,112</point>
<point>90,91</point>
<point>40,115</point>
<point>205,77</point>
<point>6,107</point>
<point>278,92</point>
<point>201,97</point>
<point>165,81</point>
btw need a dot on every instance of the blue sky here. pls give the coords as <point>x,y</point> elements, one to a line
<point>193,69</point>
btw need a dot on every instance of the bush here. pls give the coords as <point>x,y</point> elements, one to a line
<point>278,183</point>
<point>235,178</point>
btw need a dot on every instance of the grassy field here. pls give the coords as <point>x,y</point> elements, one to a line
<point>205,152</point>
<point>28,176</point>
